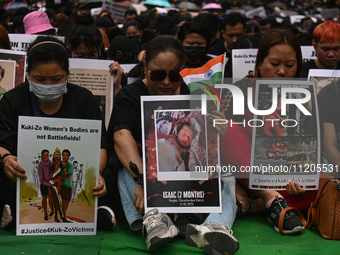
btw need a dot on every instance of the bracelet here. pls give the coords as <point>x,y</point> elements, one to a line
<point>140,179</point>
<point>5,155</point>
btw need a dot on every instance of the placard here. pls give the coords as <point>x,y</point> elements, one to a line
<point>94,74</point>
<point>323,77</point>
<point>21,42</point>
<point>20,67</point>
<point>243,62</point>
<point>286,139</point>
<point>7,76</point>
<point>61,160</point>
<point>178,170</point>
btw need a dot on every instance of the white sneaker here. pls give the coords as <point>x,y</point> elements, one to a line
<point>159,228</point>
<point>215,239</point>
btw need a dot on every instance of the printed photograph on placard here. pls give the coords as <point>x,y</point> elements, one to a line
<point>20,63</point>
<point>289,122</point>
<point>179,147</point>
<point>323,77</point>
<point>286,137</point>
<point>7,76</point>
<point>181,144</point>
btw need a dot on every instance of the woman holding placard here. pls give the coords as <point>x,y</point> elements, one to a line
<point>46,93</point>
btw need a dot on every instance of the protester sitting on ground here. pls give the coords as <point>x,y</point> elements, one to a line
<point>47,68</point>
<point>212,22</point>
<point>122,50</point>
<point>326,44</point>
<point>130,14</point>
<point>85,41</point>
<point>37,22</point>
<point>134,31</point>
<point>279,56</point>
<point>233,26</point>
<point>195,38</point>
<point>163,59</point>
<point>328,101</point>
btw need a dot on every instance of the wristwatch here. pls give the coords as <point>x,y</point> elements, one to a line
<point>2,159</point>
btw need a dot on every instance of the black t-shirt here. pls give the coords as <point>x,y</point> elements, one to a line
<point>219,49</point>
<point>329,105</point>
<point>311,65</point>
<point>329,109</point>
<point>126,112</point>
<point>202,62</point>
<point>78,103</point>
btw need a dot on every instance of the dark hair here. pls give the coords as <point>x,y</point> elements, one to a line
<point>121,50</point>
<point>112,32</point>
<point>104,22</point>
<point>164,43</point>
<point>233,19</point>
<point>194,27</point>
<point>66,151</point>
<point>135,23</point>
<point>185,123</point>
<point>159,44</point>
<point>211,21</point>
<point>274,37</point>
<point>2,70</point>
<point>252,28</point>
<point>4,39</point>
<point>164,24</point>
<point>43,151</point>
<point>44,53</point>
<point>130,12</point>
<point>85,32</point>
<point>305,39</point>
<point>244,42</point>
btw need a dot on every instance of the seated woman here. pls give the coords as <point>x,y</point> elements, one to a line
<point>328,100</point>
<point>164,58</point>
<point>279,56</point>
<point>195,38</point>
<point>85,41</point>
<point>46,93</point>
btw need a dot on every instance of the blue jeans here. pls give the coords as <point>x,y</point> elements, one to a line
<point>127,185</point>
<point>228,215</point>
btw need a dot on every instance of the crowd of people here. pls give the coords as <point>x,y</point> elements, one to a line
<point>161,45</point>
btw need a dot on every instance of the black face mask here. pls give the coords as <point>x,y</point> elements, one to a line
<point>194,53</point>
<point>135,39</point>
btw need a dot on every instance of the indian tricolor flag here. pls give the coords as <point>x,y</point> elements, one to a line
<point>208,74</point>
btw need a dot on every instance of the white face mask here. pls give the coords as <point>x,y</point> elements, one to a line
<point>47,93</point>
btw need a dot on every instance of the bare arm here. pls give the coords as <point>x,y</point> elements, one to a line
<point>11,167</point>
<point>118,72</point>
<point>100,189</point>
<point>127,151</point>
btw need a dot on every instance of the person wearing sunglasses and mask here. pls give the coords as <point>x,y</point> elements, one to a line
<point>195,38</point>
<point>45,93</point>
<point>163,59</point>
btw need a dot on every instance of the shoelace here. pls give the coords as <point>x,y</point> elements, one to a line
<point>222,228</point>
<point>150,222</point>
<point>278,202</point>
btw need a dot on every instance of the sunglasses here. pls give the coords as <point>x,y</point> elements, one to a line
<point>160,75</point>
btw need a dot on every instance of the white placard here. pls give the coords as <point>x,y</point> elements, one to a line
<point>51,136</point>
